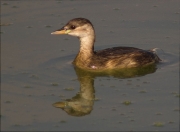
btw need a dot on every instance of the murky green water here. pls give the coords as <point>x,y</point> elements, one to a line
<point>41,90</point>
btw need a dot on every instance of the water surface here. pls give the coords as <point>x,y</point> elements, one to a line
<point>37,74</point>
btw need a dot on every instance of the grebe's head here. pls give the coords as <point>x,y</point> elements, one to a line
<point>79,27</point>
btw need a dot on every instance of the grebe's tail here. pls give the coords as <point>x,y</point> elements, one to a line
<point>154,51</point>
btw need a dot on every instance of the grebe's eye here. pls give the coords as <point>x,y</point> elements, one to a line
<point>73,27</point>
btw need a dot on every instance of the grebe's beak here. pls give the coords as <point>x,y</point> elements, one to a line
<point>60,104</point>
<point>61,31</point>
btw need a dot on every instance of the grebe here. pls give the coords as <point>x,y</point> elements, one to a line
<point>111,58</point>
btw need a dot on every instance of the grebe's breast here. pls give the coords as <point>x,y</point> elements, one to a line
<point>122,57</point>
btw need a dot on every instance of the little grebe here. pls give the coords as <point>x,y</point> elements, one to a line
<point>111,58</point>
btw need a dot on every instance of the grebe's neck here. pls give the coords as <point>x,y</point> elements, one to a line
<point>86,51</point>
<point>87,45</point>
